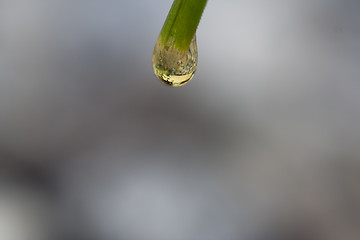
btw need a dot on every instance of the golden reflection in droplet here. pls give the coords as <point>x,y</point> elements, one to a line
<point>172,67</point>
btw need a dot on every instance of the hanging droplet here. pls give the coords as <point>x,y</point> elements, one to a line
<point>173,67</point>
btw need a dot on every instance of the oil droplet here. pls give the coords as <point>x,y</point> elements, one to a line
<point>173,67</point>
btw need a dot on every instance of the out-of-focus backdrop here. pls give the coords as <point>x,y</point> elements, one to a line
<point>262,144</point>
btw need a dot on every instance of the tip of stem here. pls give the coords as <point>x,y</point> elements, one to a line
<point>172,66</point>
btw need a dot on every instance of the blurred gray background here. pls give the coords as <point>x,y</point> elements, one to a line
<point>262,144</point>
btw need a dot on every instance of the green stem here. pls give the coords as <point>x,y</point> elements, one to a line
<point>181,23</point>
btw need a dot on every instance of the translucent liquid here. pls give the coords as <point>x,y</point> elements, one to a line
<point>172,67</point>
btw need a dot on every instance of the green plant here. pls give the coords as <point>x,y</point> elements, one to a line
<point>181,23</point>
<point>175,52</point>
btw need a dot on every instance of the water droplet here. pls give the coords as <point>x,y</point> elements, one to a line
<point>173,67</point>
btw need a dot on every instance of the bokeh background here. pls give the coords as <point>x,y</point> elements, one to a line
<point>262,144</point>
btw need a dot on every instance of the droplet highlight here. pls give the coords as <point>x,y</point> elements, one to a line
<point>173,67</point>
